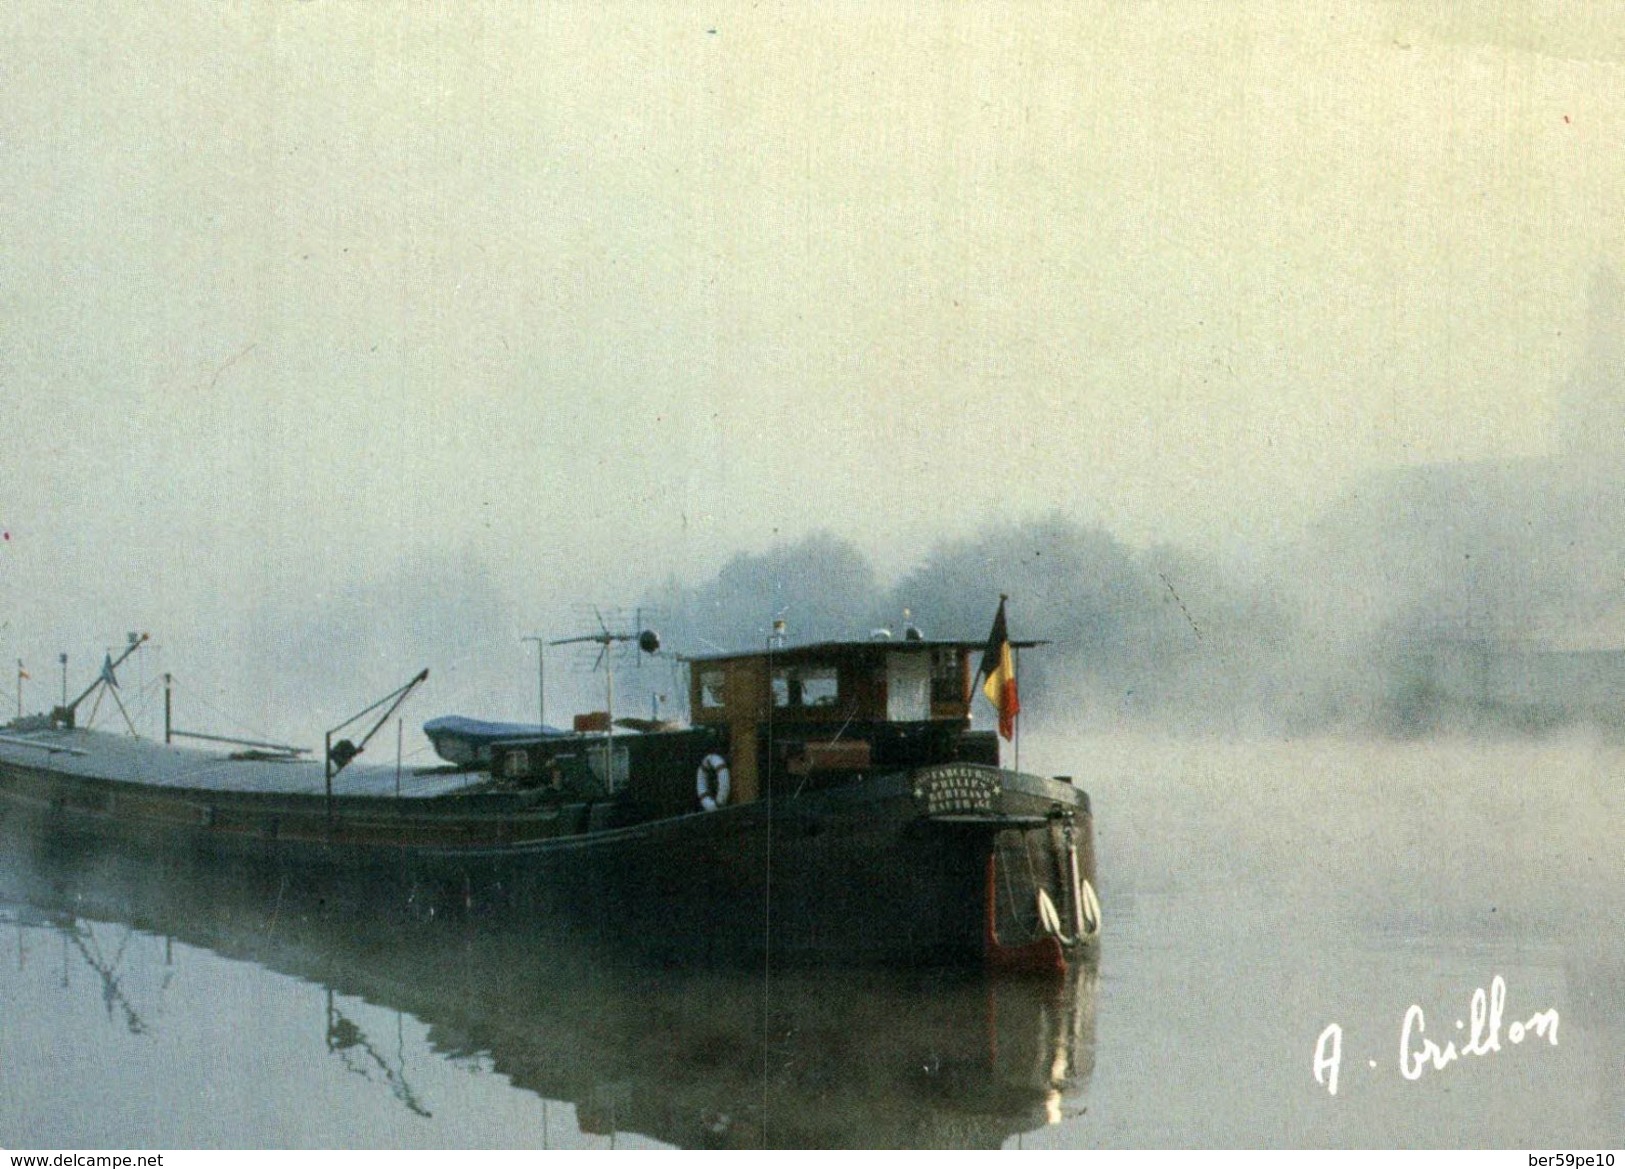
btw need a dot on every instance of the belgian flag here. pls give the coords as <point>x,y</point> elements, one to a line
<point>998,666</point>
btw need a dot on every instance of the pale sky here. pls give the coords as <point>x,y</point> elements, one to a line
<point>590,294</point>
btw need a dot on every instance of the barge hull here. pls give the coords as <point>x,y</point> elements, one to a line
<point>858,874</point>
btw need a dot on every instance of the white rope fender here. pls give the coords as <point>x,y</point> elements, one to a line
<point>1091,913</point>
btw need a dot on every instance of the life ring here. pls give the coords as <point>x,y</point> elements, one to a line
<point>711,782</point>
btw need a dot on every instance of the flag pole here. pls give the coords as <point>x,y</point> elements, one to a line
<point>1015,655</point>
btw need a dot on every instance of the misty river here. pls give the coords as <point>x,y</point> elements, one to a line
<point>1431,926</point>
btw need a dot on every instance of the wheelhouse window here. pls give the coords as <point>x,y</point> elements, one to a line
<point>908,687</point>
<point>947,679</point>
<point>805,686</point>
<point>713,689</point>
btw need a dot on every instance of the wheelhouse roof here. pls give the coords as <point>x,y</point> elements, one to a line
<point>867,647</point>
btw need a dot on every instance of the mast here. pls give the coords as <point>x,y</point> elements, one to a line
<point>339,754</point>
<point>541,680</point>
<point>63,716</point>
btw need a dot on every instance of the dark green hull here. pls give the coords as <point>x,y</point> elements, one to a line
<point>895,867</point>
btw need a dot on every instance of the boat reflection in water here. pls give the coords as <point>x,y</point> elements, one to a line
<point>727,1059</point>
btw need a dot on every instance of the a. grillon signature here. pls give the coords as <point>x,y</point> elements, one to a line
<point>1418,1052</point>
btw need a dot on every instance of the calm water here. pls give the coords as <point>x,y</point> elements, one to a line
<point>1254,894</point>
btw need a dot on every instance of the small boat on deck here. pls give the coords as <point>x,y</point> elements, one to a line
<point>826,802</point>
<point>467,742</point>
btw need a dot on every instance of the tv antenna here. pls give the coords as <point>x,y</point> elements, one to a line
<point>647,641</point>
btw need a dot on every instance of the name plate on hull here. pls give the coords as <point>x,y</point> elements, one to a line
<point>955,790</point>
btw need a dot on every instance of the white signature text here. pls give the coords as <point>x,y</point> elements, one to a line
<point>1419,1052</point>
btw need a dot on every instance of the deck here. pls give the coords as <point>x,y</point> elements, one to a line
<point>124,758</point>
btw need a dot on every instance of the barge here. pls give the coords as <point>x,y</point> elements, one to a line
<point>828,802</point>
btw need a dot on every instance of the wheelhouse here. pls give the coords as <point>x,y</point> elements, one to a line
<point>815,714</point>
<point>788,720</point>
